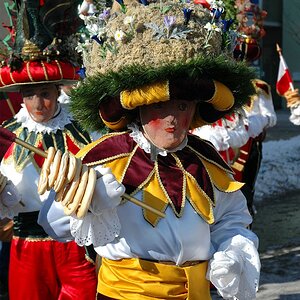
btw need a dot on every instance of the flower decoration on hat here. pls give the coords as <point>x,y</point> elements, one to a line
<point>44,46</point>
<point>144,51</point>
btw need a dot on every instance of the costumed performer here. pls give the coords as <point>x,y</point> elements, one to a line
<point>259,111</point>
<point>166,75</point>
<point>239,136</point>
<point>40,267</point>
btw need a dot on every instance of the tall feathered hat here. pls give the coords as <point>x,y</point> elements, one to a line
<point>44,47</point>
<point>159,51</point>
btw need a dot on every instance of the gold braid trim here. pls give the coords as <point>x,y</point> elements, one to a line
<point>28,71</point>
<point>11,77</point>
<point>84,151</point>
<point>2,82</point>
<point>199,200</point>
<point>59,68</point>
<point>45,71</point>
<point>33,239</point>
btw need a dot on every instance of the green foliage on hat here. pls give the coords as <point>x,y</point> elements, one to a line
<point>86,98</point>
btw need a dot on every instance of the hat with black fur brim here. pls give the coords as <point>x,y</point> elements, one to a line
<point>147,66</point>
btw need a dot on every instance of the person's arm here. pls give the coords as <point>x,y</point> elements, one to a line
<point>267,108</point>
<point>99,226</point>
<point>238,135</point>
<point>54,221</point>
<point>235,266</point>
<point>217,135</point>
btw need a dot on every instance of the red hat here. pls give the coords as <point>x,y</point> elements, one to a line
<point>247,49</point>
<point>35,72</point>
<point>44,53</point>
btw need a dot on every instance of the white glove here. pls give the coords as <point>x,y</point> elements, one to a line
<point>108,191</point>
<point>10,196</point>
<point>54,221</point>
<point>224,272</point>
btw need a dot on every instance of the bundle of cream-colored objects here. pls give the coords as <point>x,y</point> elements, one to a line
<point>73,182</point>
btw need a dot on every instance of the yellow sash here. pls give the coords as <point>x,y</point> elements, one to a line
<point>135,278</point>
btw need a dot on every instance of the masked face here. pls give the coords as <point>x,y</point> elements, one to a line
<point>40,101</point>
<point>166,124</point>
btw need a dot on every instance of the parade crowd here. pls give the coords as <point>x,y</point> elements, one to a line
<point>130,144</point>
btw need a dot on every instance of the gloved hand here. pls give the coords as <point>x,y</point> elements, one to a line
<point>224,272</point>
<point>54,221</point>
<point>108,191</point>
<point>10,196</point>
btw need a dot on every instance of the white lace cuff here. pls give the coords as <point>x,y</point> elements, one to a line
<point>97,230</point>
<point>249,279</point>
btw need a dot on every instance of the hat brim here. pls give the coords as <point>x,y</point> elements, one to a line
<point>86,98</point>
<point>17,86</point>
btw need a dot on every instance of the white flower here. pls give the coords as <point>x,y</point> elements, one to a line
<point>212,27</point>
<point>119,35</point>
<point>217,4</point>
<point>92,24</point>
<point>92,28</point>
<point>128,20</point>
<point>83,8</point>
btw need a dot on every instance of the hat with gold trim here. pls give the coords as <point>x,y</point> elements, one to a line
<point>145,53</point>
<point>44,47</point>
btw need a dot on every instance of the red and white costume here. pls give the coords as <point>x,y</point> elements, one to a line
<point>40,267</point>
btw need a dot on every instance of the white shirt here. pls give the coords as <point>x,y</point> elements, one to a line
<point>120,231</point>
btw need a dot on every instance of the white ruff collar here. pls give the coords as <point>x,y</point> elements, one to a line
<point>61,119</point>
<point>140,139</point>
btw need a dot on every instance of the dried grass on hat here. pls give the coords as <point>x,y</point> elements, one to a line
<point>152,52</point>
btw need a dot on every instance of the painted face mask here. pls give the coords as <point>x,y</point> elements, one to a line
<point>40,101</point>
<point>166,124</point>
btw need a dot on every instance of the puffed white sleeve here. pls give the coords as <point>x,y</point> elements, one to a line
<point>238,136</point>
<point>217,135</point>
<point>101,224</point>
<point>235,266</point>
<point>267,109</point>
<point>256,124</point>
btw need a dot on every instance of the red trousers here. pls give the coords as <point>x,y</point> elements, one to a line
<point>50,270</point>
